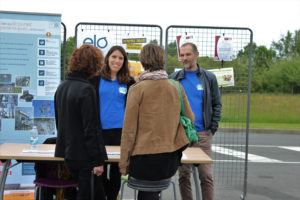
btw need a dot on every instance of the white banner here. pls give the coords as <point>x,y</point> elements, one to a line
<point>100,39</point>
<point>223,48</point>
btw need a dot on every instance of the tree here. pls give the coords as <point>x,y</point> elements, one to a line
<point>262,57</point>
<point>70,46</point>
<point>288,45</point>
<point>283,77</point>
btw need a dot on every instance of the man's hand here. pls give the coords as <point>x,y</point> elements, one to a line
<point>98,170</point>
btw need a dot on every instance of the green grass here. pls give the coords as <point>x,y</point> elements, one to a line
<point>269,111</point>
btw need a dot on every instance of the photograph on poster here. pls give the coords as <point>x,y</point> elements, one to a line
<point>10,88</point>
<point>23,81</point>
<point>43,108</point>
<point>5,78</point>
<point>8,102</point>
<point>45,126</point>
<point>23,118</point>
<point>26,96</point>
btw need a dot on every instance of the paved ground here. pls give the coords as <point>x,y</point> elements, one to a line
<point>273,170</point>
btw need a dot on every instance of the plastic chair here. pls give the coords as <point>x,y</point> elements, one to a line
<point>51,180</point>
<point>125,180</point>
<point>52,175</point>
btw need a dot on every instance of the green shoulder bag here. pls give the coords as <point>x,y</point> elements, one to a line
<point>189,127</point>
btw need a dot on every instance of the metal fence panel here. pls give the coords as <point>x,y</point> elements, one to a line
<point>152,32</point>
<point>230,144</point>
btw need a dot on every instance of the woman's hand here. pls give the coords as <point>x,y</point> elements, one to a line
<point>98,170</point>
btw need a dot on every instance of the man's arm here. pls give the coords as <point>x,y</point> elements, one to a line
<point>216,105</point>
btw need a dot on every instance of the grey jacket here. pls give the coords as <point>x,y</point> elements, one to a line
<point>212,105</point>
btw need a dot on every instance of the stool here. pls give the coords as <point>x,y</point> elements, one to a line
<point>125,180</point>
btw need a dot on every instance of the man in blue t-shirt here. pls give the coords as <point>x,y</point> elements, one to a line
<point>201,88</point>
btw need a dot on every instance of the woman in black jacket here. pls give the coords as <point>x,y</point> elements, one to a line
<point>112,87</point>
<point>79,138</point>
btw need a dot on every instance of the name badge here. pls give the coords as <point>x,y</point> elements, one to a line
<point>199,87</point>
<point>123,90</point>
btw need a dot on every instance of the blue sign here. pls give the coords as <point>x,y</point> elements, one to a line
<point>29,75</point>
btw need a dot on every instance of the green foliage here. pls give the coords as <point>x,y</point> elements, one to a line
<point>288,45</point>
<point>283,77</point>
<point>264,108</point>
<point>70,46</point>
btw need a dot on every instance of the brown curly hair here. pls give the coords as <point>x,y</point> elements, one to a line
<point>87,60</point>
<point>123,75</point>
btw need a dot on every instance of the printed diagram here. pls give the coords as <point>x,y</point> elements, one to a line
<point>8,102</point>
<point>43,108</point>
<point>23,81</point>
<point>24,118</point>
<point>5,78</point>
<point>9,88</point>
<point>45,126</point>
<point>227,77</point>
<point>26,96</point>
<point>44,116</point>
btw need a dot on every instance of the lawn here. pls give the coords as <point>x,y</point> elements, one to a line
<point>269,111</point>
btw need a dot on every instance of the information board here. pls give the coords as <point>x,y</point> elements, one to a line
<point>29,75</point>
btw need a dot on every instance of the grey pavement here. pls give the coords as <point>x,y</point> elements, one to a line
<point>277,177</point>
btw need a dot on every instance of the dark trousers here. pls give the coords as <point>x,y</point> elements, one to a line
<point>148,195</point>
<point>81,171</point>
<point>112,178</point>
<point>112,181</point>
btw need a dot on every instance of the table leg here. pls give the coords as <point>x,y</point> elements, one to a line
<point>3,176</point>
<point>197,182</point>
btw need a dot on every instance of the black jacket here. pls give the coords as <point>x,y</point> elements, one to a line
<point>77,120</point>
<point>212,105</point>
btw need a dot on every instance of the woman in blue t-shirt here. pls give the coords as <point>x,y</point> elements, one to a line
<point>112,87</point>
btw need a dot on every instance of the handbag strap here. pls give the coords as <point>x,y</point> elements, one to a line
<point>181,100</point>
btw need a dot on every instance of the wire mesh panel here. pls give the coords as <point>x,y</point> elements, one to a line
<point>230,143</point>
<point>153,33</point>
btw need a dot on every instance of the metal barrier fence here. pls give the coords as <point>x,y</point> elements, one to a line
<point>230,143</point>
<point>63,50</point>
<point>152,32</point>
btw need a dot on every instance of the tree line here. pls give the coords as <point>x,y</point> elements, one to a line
<point>274,70</point>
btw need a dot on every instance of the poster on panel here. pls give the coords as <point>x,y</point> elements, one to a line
<point>223,48</point>
<point>29,75</point>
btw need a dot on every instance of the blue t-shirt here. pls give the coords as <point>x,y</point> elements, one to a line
<point>194,92</point>
<point>112,97</point>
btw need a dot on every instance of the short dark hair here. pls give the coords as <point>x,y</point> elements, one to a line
<point>123,75</point>
<point>194,47</point>
<point>86,60</point>
<point>152,57</point>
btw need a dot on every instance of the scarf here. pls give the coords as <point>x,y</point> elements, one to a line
<point>155,75</point>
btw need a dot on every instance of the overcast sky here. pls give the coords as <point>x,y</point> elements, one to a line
<point>268,19</point>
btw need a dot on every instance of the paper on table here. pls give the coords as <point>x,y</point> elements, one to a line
<point>184,156</point>
<point>38,151</point>
<point>113,153</point>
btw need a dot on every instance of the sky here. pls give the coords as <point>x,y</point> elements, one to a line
<point>268,19</point>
